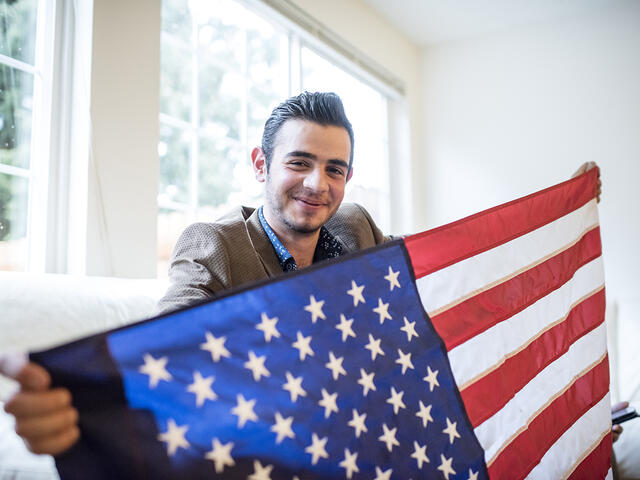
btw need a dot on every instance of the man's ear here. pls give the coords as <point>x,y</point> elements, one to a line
<point>259,162</point>
<point>350,174</point>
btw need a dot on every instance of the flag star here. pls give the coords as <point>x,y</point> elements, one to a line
<point>268,327</point>
<point>374,347</point>
<point>220,455</point>
<point>404,359</point>
<point>473,475</point>
<point>315,308</point>
<point>409,328</point>
<point>294,387</point>
<point>328,402</point>
<point>316,449</point>
<point>256,365</point>
<point>335,365</point>
<point>389,437</point>
<point>396,400</point>
<point>380,475</point>
<point>356,293</point>
<point>345,327</point>
<point>260,472</point>
<point>215,346</point>
<point>349,463</point>
<point>451,430</point>
<point>357,422</point>
<point>383,310</point>
<point>425,414</point>
<point>431,379</point>
<point>445,466</point>
<point>174,437</point>
<point>303,346</point>
<point>156,369</point>
<point>366,380</point>
<point>201,387</point>
<point>244,411</point>
<point>282,427</point>
<point>392,278</point>
<point>420,454</point>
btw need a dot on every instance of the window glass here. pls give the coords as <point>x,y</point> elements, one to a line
<point>18,22</point>
<point>16,97</point>
<point>14,195</point>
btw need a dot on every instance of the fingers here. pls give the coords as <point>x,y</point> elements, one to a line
<point>33,377</point>
<point>34,404</point>
<point>616,430</point>
<point>47,425</point>
<point>54,444</point>
<point>619,406</point>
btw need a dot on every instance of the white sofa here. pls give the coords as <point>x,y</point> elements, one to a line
<point>39,311</point>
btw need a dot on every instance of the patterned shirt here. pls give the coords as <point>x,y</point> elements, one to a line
<point>327,246</point>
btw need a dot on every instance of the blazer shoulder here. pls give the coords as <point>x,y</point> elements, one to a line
<point>355,227</point>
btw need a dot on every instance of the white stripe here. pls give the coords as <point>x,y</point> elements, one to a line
<point>495,431</point>
<point>580,437</point>
<point>460,279</point>
<point>509,335</point>
<point>609,475</point>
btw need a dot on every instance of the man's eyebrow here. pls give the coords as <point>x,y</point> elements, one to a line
<point>301,153</point>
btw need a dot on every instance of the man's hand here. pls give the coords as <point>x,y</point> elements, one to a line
<point>616,430</point>
<point>586,167</point>
<point>45,418</point>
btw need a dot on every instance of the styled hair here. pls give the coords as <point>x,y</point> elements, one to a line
<point>324,108</point>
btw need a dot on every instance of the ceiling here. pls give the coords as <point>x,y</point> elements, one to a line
<point>428,22</point>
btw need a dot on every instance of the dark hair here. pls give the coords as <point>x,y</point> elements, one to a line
<point>324,108</point>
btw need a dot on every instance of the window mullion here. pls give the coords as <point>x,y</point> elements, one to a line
<point>195,119</point>
<point>295,64</point>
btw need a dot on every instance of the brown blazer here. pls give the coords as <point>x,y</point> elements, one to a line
<point>235,250</point>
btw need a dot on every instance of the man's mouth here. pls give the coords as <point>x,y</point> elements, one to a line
<point>311,202</point>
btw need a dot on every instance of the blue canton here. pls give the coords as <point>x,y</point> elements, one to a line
<point>327,247</point>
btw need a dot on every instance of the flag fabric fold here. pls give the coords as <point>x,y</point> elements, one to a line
<point>470,351</point>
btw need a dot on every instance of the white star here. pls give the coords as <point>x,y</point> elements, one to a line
<point>201,387</point>
<point>174,437</point>
<point>396,400</point>
<point>328,402</point>
<point>389,437</point>
<point>315,308</point>
<point>420,454</point>
<point>409,328</point>
<point>366,380</point>
<point>220,454</point>
<point>215,346</point>
<point>349,463</point>
<point>302,344</point>
<point>425,414</point>
<point>374,347</point>
<point>256,365</point>
<point>316,449</point>
<point>357,422</point>
<point>156,369</point>
<point>404,360</point>
<point>380,475</point>
<point>345,328</point>
<point>445,466</point>
<point>244,410</point>
<point>432,379</point>
<point>268,327</point>
<point>356,293</point>
<point>294,387</point>
<point>282,427</point>
<point>392,278</point>
<point>451,430</point>
<point>335,365</point>
<point>260,472</point>
<point>473,475</point>
<point>383,310</point>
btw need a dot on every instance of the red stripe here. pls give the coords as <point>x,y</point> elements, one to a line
<point>484,310</point>
<point>489,394</point>
<point>451,243</point>
<point>528,448</point>
<point>597,463</point>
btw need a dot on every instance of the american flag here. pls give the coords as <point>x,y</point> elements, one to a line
<point>336,371</point>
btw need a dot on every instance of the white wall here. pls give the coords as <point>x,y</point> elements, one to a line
<point>508,114</point>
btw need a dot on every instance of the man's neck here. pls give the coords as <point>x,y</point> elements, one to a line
<point>301,245</point>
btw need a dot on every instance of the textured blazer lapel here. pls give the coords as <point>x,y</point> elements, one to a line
<point>262,245</point>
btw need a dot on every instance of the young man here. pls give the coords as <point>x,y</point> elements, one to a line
<point>305,162</point>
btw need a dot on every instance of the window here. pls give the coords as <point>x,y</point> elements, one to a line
<point>23,106</point>
<point>224,67</point>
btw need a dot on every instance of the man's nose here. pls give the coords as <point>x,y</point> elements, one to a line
<point>316,180</point>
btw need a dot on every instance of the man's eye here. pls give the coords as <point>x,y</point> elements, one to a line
<point>336,171</point>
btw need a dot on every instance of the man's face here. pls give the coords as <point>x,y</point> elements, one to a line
<point>307,175</point>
